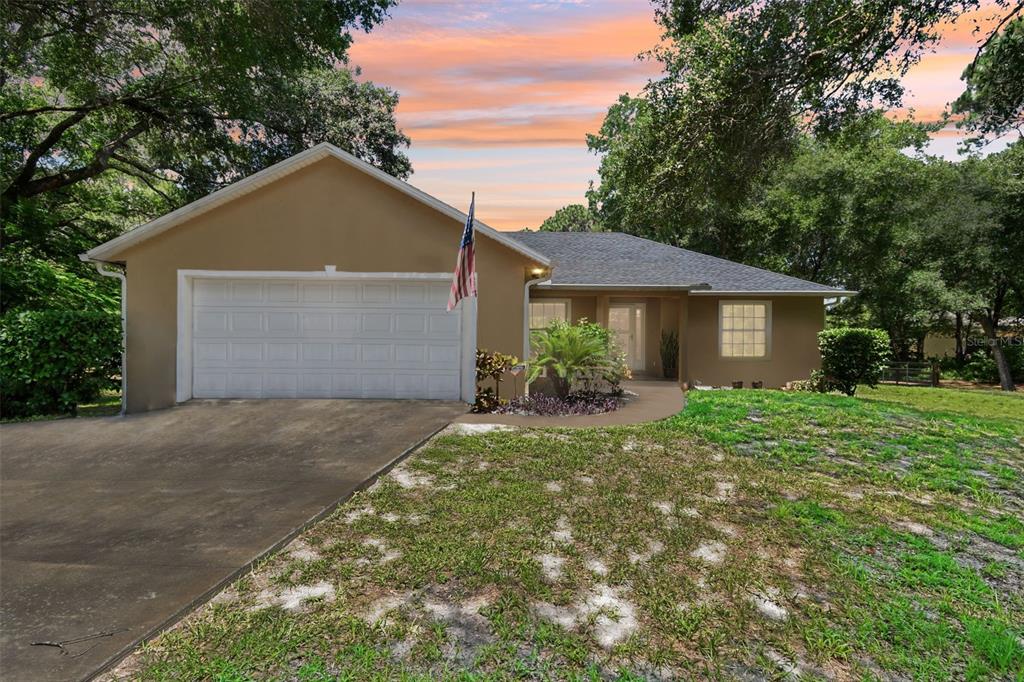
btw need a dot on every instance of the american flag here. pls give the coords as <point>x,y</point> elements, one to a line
<point>464,280</point>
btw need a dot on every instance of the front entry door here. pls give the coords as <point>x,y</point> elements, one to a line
<point>626,321</point>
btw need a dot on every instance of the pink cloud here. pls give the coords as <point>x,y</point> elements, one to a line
<point>516,82</point>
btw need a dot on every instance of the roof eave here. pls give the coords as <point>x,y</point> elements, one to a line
<point>778,292</point>
<point>105,251</point>
<point>626,286</point>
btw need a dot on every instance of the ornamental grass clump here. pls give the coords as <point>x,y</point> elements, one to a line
<point>573,355</point>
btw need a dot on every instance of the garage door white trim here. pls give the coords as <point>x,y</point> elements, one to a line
<point>186,278</point>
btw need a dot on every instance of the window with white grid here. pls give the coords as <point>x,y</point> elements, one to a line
<point>743,329</point>
<point>543,313</point>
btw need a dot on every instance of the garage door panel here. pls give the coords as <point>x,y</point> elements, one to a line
<point>316,353</point>
<point>443,356</point>
<point>210,322</point>
<point>278,385</point>
<point>411,323</point>
<point>247,352</point>
<point>380,385</point>
<point>211,352</point>
<point>377,293</point>
<point>438,294</point>
<point>244,385</point>
<point>410,354</point>
<point>245,322</point>
<point>376,323</point>
<point>440,387</point>
<point>346,385</point>
<point>443,325</point>
<point>211,292</point>
<point>272,338</point>
<point>246,292</point>
<point>282,322</point>
<point>375,354</point>
<point>316,293</point>
<point>282,292</point>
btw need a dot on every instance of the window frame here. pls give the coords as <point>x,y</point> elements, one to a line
<point>767,329</point>
<point>529,317</point>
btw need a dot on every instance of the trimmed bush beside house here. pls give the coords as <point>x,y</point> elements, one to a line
<point>54,360</point>
<point>851,356</point>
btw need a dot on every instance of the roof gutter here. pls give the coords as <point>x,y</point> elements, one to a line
<point>526,323</point>
<point>118,274</point>
<point>766,292</point>
<point>627,287</point>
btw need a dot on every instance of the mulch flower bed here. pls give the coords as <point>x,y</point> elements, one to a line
<point>543,405</point>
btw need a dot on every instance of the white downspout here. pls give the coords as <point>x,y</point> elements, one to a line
<point>124,329</point>
<point>526,324</point>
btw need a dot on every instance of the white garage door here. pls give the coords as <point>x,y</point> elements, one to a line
<point>279,338</point>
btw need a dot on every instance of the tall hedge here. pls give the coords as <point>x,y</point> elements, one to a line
<point>851,356</point>
<point>53,360</point>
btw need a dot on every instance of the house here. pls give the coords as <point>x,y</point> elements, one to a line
<point>323,276</point>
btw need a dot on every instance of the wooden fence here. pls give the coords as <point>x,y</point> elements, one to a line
<point>912,373</point>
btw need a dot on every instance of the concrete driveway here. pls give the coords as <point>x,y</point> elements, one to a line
<point>113,527</point>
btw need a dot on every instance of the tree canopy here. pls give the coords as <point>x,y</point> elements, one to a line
<point>741,80</point>
<point>571,218</point>
<point>177,98</point>
<point>994,96</point>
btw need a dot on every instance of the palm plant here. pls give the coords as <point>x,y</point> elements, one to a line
<point>569,353</point>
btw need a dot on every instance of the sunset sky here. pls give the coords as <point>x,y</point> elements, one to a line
<point>498,97</point>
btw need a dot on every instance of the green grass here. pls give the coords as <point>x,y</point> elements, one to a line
<point>757,532</point>
<point>985,403</point>
<point>108,404</point>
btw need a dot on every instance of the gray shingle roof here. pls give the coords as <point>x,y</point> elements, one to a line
<point>616,258</point>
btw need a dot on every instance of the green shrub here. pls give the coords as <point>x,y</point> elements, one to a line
<point>491,366</point>
<point>31,283</point>
<point>851,356</point>
<point>982,366</point>
<point>54,360</point>
<point>572,353</point>
<point>616,368</point>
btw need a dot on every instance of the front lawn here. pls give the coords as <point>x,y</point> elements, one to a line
<point>107,405</point>
<point>755,535</point>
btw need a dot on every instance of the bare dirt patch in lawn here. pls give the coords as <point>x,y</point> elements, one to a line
<point>759,534</point>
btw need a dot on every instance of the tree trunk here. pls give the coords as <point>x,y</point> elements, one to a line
<point>1005,377</point>
<point>958,334</point>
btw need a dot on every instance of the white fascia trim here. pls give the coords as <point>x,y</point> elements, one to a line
<point>632,287</point>
<point>119,274</point>
<point>279,170</point>
<point>311,274</point>
<point>766,292</point>
<point>467,311</point>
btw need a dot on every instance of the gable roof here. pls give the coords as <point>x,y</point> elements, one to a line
<point>105,251</point>
<point>619,260</point>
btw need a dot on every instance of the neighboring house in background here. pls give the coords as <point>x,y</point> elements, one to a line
<point>322,276</point>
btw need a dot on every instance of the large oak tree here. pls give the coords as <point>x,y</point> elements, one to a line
<point>115,110</point>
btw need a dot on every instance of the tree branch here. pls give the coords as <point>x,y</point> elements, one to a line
<point>99,164</point>
<point>29,167</point>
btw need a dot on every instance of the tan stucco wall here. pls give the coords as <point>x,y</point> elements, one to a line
<point>796,320</point>
<point>326,214</point>
<point>581,305</point>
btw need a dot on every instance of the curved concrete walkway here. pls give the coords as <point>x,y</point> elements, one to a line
<point>654,400</point>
